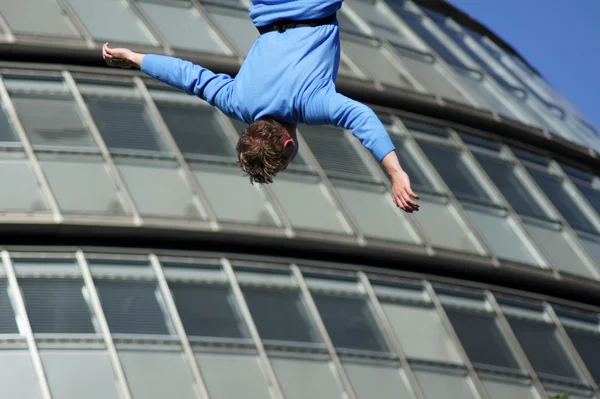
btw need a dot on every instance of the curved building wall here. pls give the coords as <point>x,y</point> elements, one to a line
<point>112,183</point>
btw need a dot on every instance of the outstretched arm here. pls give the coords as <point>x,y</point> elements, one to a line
<point>193,79</point>
<point>365,125</point>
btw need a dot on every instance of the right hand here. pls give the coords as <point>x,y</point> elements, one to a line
<point>403,194</point>
<point>117,57</point>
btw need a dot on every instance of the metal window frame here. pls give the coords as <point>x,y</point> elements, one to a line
<point>10,37</point>
<point>21,312</point>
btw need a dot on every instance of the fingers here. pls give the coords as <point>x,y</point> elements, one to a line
<point>412,194</point>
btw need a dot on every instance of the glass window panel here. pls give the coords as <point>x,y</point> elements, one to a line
<point>196,129</point>
<point>591,194</point>
<point>369,379</point>
<point>124,25</point>
<point>17,375</point>
<point>8,324</point>
<point>223,187</point>
<point>7,133</point>
<point>207,310</point>
<point>372,60</point>
<point>378,15</point>
<point>294,194</point>
<point>56,306</point>
<point>548,359</point>
<point>79,374</point>
<point>293,375</point>
<point>424,69</point>
<point>503,390</point>
<point>20,188</point>
<point>122,268</point>
<point>451,165</point>
<point>159,189</point>
<point>560,251</point>
<point>52,121</point>
<point>439,217</point>
<point>132,307</point>
<point>421,333</point>
<point>280,315</point>
<point>592,244</point>
<point>441,386</point>
<point>48,19</point>
<point>236,24</point>
<point>375,215</point>
<point>512,187</point>
<point>82,185</point>
<point>482,339</point>
<point>350,323</point>
<point>502,235</point>
<point>182,25</point>
<point>115,116</point>
<point>233,376</point>
<point>555,189</point>
<point>414,168</point>
<point>588,347</point>
<point>158,375</point>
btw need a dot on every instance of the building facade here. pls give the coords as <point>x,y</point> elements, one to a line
<point>137,262</point>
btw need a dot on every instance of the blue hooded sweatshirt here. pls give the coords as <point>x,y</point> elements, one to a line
<point>288,76</point>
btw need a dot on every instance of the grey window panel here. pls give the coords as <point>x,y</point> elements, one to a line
<point>280,315</point>
<point>503,390</point>
<point>79,374</point>
<point>375,216</point>
<point>482,339</point>
<point>371,379</point>
<point>350,323</point>
<point>113,21</point>
<point>588,346</point>
<point>502,237</point>
<point>52,121</point>
<point>561,253</point>
<point>233,376</point>
<point>294,194</point>
<point>236,24</point>
<point>380,20</point>
<point>125,124</point>
<point>82,186</point>
<point>555,189</point>
<point>373,61</point>
<point>131,307</point>
<point>421,333</point>
<point>158,375</point>
<point>208,310</point>
<point>592,243</point>
<point>511,186</point>
<point>437,219</point>
<point>432,79</point>
<point>122,268</point>
<point>20,189</point>
<point>56,306</point>
<point>345,69</point>
<point>335,152</point>
<point>548,359</point>
<point>454,170</point>
<point>442,386</point>
<point>47,19</point>
<point>8,323</point>
<point>45,266</point>
<point>159,190</point>
<point>196,129</point>
<point>592,195</point>
<point>17,375</point>
<point>7,133</point>
<point>223,188</point>
<point>418,178</point>
<point>182,25</point>
<point>301,379</point>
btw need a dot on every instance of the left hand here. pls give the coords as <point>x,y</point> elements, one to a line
<point>402,193</point>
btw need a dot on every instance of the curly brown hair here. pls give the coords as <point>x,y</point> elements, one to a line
<point>261,153</point>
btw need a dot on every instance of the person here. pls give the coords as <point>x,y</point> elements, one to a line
<point>287,78</point>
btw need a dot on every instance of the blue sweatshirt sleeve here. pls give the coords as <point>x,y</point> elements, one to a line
<point>327,106</point>
<point>215,89</point>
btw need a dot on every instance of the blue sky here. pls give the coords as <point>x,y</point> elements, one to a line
<point>561,39</point>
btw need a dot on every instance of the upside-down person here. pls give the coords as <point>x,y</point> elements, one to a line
<point>287,78</point>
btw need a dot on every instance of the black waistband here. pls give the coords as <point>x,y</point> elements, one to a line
<point>281,25</point>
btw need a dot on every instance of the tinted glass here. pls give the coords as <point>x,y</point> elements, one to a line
<point>482,339</point>
<point>549,358</point>
<point>8,324</point>
<point>280,315</point>
<point>588,347</point>
<point>350,323</point>
<point>207,311</point>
